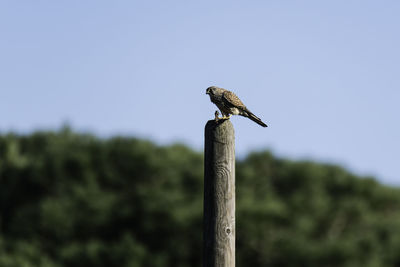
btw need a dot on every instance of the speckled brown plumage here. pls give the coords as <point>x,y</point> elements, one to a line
<point>229,104</point>
<point>233,99</point>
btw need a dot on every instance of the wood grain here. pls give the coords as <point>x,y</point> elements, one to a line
<point>219,195</point>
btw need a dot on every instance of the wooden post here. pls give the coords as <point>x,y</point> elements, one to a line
<point>219,195</point>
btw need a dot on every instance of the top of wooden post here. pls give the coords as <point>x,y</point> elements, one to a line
<point>221,131</point>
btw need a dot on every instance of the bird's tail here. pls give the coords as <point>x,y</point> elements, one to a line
<point>254,118</point>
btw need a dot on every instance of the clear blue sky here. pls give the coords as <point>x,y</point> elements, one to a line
<point>324,75</point>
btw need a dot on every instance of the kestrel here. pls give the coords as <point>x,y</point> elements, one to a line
<point>229,104</point>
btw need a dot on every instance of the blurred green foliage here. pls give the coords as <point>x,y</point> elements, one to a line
<point>71,199</point>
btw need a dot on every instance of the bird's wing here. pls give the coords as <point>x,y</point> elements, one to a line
<point>232,100</point>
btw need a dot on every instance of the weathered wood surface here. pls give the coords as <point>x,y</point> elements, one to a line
<point>219,195</point>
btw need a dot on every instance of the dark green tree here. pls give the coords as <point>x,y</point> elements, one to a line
<point>70,199</point>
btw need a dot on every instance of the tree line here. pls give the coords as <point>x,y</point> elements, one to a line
<point>70,199</point>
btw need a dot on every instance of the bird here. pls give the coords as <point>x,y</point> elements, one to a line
<point>229,104</point>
